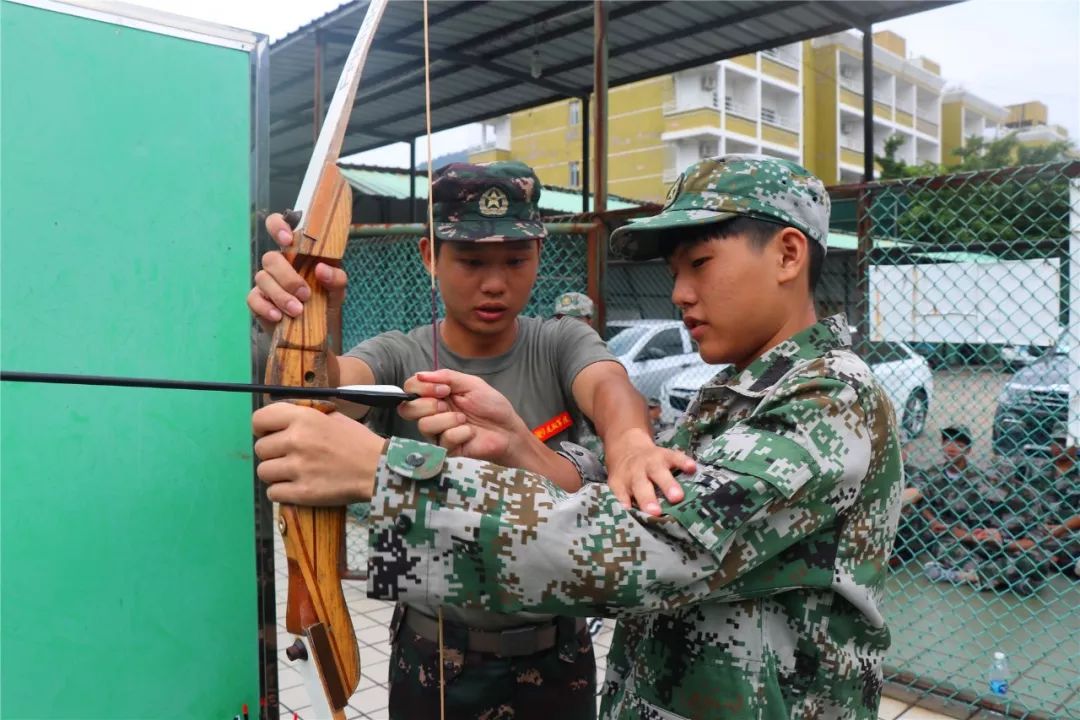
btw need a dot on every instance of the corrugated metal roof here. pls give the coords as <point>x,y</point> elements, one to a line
<point>389,182</point>
<point>482,50</point>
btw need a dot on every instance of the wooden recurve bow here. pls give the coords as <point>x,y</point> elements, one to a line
<point>325,650</point>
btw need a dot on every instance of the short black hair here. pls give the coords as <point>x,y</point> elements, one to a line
<point>759,232</point>
<point>956,433</point>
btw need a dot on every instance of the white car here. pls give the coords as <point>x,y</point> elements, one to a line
<point>651,351</point>
<point>677,392</point>
<point>904,374</point>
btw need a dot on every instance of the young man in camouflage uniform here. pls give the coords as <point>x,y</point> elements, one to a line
<point>758,595</point>
<point>993,528</point>
<point>1057,484</point>
<point>1061,478</point>
<point>575,305</point>
<point>1004,547</point>
<point>954,496</point>
<point>556,374</point>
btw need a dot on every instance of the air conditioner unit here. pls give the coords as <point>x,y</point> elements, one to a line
<point>707,148</point>
<point>846,71</point>
<point>847,128</point>
<point>708,82</point>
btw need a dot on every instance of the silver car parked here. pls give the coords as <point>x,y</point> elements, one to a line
<point>651,351</point>
<point>903,373</point>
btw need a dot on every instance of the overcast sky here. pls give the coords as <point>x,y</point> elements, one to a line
<point>1006,51</point>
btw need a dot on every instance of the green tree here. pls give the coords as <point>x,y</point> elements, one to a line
<point>1013,210</point>
<point>1056,151</point>
<point>978,153</point>
<point>893,168</point>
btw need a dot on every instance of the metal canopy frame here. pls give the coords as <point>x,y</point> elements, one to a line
<point>482,53</point>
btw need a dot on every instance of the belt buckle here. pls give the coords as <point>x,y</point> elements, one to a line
<point>518,642</point>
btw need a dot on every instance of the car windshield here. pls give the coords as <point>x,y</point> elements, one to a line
<point>612,330</point>
<point>627,336</point>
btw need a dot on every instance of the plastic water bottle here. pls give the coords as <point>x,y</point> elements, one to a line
<point>999,675</point>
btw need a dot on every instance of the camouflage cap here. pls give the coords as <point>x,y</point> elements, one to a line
<point>487,202</point>
<point>573,304</point>
<point>722,188</point>
<point>956,432</point>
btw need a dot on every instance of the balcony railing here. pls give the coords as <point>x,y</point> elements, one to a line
<point>786,122</point>
<point>882,96</point>
<point>854,84</point>
<point>697,103</point>
<point>741,109</point>
<point>787,57</point>
<point>852,142</point>
<point>925,125</point>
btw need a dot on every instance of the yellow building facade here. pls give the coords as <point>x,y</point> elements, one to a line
<point>1031,122</point>
<point>802,102</point>
<point>964,115</point>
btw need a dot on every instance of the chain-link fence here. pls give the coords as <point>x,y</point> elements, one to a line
<point>958,290</point>
<point>964,314</point>
<point>390,289</point>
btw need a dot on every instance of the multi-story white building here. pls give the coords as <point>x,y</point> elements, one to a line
<point>802,102</point>
<point>751,104</point>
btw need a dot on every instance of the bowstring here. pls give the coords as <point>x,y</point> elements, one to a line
<point>430,201</point>
<point>434,316</point>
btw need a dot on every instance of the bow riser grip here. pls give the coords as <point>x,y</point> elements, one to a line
<point>322,237</point>
<point>293,367</point>
<point>324,227</point>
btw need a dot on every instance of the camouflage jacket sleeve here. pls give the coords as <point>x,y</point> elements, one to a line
<point>467,533</point>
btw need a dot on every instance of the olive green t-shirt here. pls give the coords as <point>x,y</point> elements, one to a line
<point>536,375</point>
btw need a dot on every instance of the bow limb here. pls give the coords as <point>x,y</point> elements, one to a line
<point>316,610</point>
<point>326,650</point>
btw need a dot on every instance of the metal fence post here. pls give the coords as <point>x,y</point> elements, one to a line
<point>1073,300</point>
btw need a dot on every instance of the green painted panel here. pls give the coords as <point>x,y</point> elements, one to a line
<point>126,516</point>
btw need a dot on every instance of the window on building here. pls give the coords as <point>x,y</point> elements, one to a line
<point>575,112</point>
<point>575,173</point>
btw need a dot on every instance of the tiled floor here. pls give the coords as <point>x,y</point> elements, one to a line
<point>371,619</point>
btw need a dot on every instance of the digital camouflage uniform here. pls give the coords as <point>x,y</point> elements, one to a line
<point>967,497</point>
<point>492,202</point>
<point>757,596</point>
<point>1059,490</point>
<point>1002,500</point>
<point>1064,500</point>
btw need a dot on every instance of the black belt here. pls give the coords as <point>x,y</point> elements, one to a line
<point>514,642</point>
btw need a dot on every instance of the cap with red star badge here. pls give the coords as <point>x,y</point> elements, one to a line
<point>487,202</point>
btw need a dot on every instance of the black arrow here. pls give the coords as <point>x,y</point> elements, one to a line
<point>370,395</point>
